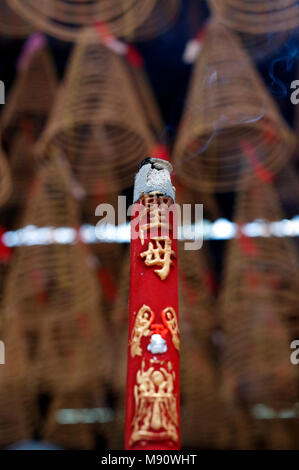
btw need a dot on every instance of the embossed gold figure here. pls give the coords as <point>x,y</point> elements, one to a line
<point>170,320</point>
<point>159,255</point>
<point>156,416</point>
<point>144,319</point>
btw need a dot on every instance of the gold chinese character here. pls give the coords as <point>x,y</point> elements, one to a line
<point>159,255</point>
<point>156,207</point>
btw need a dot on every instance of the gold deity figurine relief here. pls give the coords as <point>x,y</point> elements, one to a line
<point>156,416</point>
<point>169,319</point>
<point>144,319</point>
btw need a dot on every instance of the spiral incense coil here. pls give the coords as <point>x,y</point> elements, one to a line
<point>5,178</point>
<point>161,18</point>
<point>23,117</point>
<point>259,295</point>
<point>12,24</point>
<point>74,418</point>
<point>93,123</point>
<point>262,46</point>
<point>202,417</point>
<point>259,16</point>
<point>287,187</point>
<point>32,95</point>
<point>17,410</point>
<point>231,129</point>
<point>123,18</point>
<point>57,301</point>
<point>119,318</point>
<point>196,294</point>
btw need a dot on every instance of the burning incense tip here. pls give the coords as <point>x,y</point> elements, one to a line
<point>154,176</point>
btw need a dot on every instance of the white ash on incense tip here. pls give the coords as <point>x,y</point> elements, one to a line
<point>154,176</point>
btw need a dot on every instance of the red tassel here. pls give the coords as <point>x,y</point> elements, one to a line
<point>5,251</point>
<point>247,244</point>
<point>261,172</point>
<point>160,151</point>
<point>134,57</point>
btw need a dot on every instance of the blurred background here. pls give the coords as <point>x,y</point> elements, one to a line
<point>91,88</point>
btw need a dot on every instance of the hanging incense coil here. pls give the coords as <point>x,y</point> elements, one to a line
<point>32,95</point>
<point>123,19</point>
<point>57,301</point>
<point>24,116</point>
<point>287,187</point>
<point>257,17</point>
<point>161,18</point>
<point>12,24</point>
<point>202,417</point>
<point>120,322</point>
<point>74,419</point>
<point>260,296</point>
<point>5,178</point>
<point>94,123</point>
<point>196,295</point>
<point>17,409</point>
<point>231,129</point>
<point>262,46</point>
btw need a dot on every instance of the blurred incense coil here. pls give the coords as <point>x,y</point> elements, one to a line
<point>287,187</point>
<point>202,417</point>
<point>11,23</point>
<point>257,364</point>
<point>126,18</point>
<point>33,92</point>
<point>5,178</point>
<point>161,18</point>
<point>231,130</point>
<point>57,301</point>
<point>93,123</point>
<point>77,418</point>
<point>197,295</point>
<point>259,16</point>
<point>119,375</point>
<point>17,390</point>
<point>24,116</point>
<point>263,46</point>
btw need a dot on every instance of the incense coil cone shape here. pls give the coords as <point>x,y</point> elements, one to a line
<point>196,295</point>
<point>74,418</point>
<point>262,46</point>
<point>231,129</point>
<point>5,178</point>
<point>259,16</point>
<point>123,19</point>
<point>94,121</point>
<point>17,408</point>
<point>161,18</point>
<point>33,92</point>
<point>12,24</point>
<point>57,301</point>
<point>202,416</point>
<point>23,118</point>
<point>258,303</point>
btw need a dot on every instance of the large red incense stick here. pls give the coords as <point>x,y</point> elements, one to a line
<point>153,408</point>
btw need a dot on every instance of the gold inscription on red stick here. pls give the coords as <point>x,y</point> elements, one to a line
<point>159,251</point>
